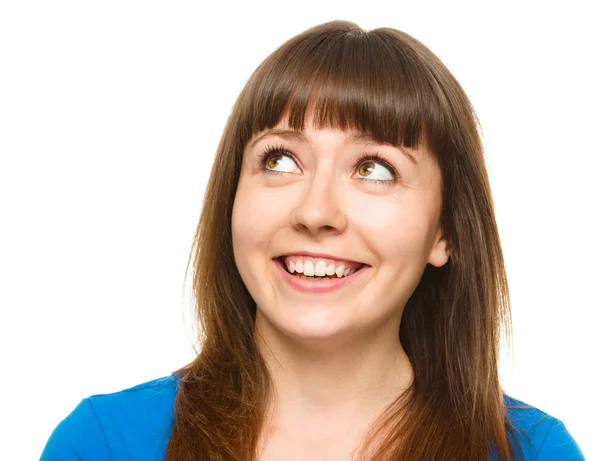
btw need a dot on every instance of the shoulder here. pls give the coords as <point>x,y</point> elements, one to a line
<point>134,423</point>
<point>542,437</point>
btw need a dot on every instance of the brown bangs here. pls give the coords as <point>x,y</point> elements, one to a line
<point>350,79</point>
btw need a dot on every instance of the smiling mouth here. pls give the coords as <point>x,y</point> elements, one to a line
<point>319,271</point>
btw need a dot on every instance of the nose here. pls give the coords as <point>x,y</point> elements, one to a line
<point>320,210</point>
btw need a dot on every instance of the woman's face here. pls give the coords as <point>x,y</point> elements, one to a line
<point>312,200</point>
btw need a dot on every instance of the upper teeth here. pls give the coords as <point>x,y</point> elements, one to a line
<point>319,269</point>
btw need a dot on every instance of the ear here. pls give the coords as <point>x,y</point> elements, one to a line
<point>440,251</point>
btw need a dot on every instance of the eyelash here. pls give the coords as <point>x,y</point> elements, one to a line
<point>376,157</point>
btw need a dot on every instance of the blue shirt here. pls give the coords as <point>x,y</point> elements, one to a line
<point>135,424</point>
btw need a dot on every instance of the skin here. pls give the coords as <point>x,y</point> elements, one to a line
<point>335,359</point>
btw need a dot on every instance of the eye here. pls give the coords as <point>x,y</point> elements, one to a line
<point>282,161</point>
<point>277,160</point>
<point>374,168</point>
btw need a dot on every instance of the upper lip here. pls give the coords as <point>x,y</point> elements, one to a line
<point>317,255</point>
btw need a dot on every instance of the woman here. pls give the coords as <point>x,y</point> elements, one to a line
<point>348,275</point>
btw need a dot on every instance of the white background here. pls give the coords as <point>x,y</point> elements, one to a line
<point>110,113</point>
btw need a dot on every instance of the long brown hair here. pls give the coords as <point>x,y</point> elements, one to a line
<point>390,85</point>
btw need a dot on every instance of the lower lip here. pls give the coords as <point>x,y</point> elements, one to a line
<point>317,286</point>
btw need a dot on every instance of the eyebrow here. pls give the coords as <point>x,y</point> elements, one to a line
<point>290,135</point>
<point>364,139</point>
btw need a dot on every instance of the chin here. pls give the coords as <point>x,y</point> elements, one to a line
<point>310,324</point>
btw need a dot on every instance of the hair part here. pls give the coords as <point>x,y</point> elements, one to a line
<point>389,85</point>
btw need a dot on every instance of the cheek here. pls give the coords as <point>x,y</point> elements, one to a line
<point>245,237</point>
<point>244,229</point>
<point>255,218</point>
<point>254,222</point>
<point>394,227</point>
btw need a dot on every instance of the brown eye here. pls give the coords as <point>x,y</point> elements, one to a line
<point>273,161</point>
<point>368,169</point>
<point>278,162</point>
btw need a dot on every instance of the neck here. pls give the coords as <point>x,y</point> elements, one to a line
<point>339,382</point>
